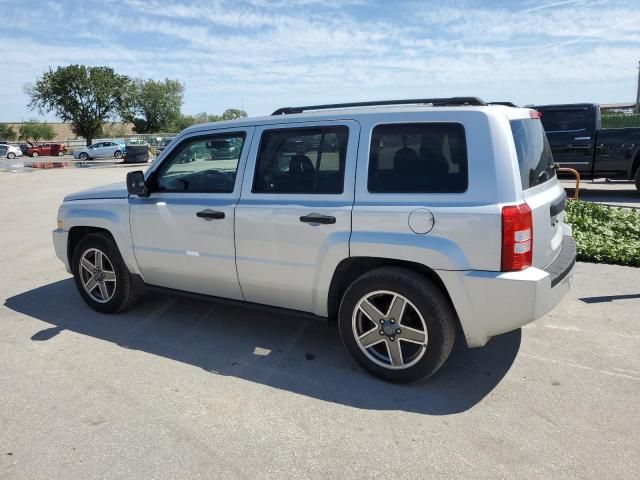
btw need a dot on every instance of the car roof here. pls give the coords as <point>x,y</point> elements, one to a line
<point>567,106</point>
<point>357,112</point>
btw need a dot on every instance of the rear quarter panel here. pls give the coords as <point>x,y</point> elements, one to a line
<point>467,226</point>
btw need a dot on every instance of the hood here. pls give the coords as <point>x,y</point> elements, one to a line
<point>114,190</point>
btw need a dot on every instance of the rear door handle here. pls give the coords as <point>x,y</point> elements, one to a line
<point>210,214</point>
<point>318,218</point>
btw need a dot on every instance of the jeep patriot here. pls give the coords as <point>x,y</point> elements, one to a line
<point>404,222</point>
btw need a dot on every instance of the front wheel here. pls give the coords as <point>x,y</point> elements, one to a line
<point>118,154</point>
<point>397,324</point>
<point>101,276</point>
<point>35,155</point>
<point>636,178</point>
<point>84,157</point>
<point>11,155</point>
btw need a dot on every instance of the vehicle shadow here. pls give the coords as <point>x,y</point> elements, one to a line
<point>285,351</point>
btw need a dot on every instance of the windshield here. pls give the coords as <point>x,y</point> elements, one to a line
<point>534,154</point>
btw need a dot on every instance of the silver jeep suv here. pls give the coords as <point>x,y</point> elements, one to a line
<point>404,222</point>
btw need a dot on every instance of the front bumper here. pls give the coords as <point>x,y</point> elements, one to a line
<point>60,238</point>
<point>491,303</point>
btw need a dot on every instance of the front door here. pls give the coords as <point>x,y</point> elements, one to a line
<point>183,232</point>
<point>293,220</point>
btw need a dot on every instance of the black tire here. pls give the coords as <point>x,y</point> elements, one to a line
<point>636,178</point>
<point>84,157</point>
<point>128,289</point>
<point>427,299</point>
<point>11,155</point>
<point>35,155</point>
<point>117,154</point>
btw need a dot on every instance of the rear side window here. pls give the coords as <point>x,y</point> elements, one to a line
<point>570,121</point>
<point>534,154</point>
<point>418,158</point>
<point>302,160</point>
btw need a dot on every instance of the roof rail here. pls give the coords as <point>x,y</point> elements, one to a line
<point>506,104</point>
<point>436,102</point>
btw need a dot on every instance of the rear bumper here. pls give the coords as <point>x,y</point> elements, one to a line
<point>60,238</point>
<point>491,303</point>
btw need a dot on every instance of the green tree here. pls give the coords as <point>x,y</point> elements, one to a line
<point>233,114</point>
<point>7,132</point>
<point>33,131</point>
<point>86,97</point>
<point>184,121</point>
<point>154,105</point>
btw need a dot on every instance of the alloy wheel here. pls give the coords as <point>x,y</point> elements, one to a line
<point>97,275</point>
<point>389,330</point>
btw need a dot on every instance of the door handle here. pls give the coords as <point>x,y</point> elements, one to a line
<point>210,214</point>
<point>318,218</point>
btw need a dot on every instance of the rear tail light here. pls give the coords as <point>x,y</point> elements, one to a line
<point>517,238</point>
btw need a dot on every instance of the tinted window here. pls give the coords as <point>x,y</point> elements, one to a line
<point>418,158</point>
<point>567,120</point>
<point>202,164</point>
<point>302,160</point>
<point>534,154</point>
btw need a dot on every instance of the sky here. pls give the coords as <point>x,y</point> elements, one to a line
<point>265,54</point>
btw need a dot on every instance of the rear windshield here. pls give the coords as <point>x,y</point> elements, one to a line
<point>534,154</point>
<point>573,121</point>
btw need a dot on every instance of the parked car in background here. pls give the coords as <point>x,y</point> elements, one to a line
<point>164,144</point>
<point>105,149</point>
<point>406,224</point>
<point>9,151</point>
<point>44,149</point>
<point>578,142</point>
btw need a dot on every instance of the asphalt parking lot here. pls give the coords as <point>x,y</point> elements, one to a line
<point>180,388</point>
<point>616,193</point>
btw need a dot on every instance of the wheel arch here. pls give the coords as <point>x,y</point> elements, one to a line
<point>78,232</point>
<point>349,269</point>
<point>635,163</point>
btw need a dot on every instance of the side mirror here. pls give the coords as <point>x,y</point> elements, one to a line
<point>136,184</point>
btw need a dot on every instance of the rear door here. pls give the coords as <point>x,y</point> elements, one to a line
<point>293,220</point>
<point>541,189</point>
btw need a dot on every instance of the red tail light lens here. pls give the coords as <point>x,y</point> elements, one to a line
<point>517,237</point>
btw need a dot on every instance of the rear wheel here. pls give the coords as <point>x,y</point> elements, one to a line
<point>636,178</point>
<point>397,324</point>
<point>11,155</point>
<point>35,154</point>
<point>101,276</point>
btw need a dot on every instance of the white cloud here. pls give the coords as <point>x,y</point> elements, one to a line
<point>274,52</point>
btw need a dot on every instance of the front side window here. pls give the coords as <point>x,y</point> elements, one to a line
<point>418,158</point>
<point>202,164</point>
<point>302,160</point>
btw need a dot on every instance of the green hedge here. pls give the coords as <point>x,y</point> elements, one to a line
<point>620,121</point>
<point>605,234</point>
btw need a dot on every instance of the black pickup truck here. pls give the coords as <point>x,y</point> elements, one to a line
<point>578,142</point>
